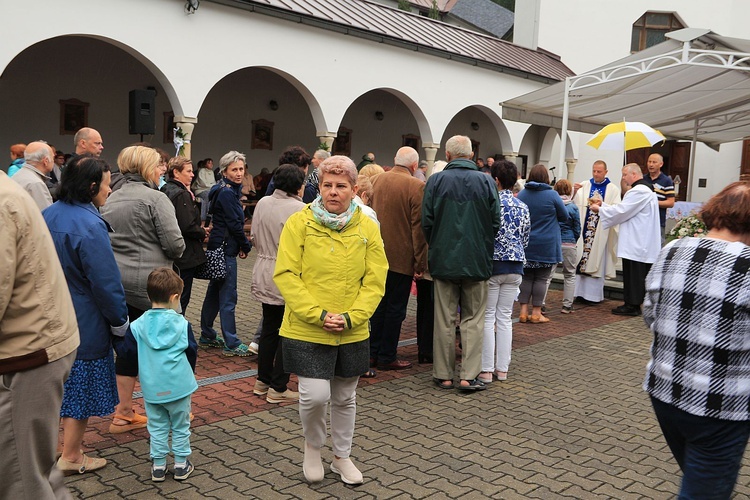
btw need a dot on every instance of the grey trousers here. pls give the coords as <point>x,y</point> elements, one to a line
<point>473,297</point>
<point>29,423</point>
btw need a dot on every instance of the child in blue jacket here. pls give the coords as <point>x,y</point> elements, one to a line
<point>167,353</point>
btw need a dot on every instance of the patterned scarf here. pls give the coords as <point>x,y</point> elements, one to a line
<point>329,220</point>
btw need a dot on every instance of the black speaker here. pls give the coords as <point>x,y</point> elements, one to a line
<point>142,115</point>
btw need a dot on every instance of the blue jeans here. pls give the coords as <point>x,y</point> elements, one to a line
<point>163,417</point>
<point>221,299</point>
<point>708,450</point>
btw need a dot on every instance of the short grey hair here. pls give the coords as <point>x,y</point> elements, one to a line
<point>406,156</point>
<point>230,158</point>
<point>459,146</point>
<point>633,168</point>
<point>29,155</point>
<point>321,154</point>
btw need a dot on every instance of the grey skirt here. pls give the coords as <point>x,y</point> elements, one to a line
<point>310,360</point>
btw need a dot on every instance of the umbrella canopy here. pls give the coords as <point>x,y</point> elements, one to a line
<point>624,136</point>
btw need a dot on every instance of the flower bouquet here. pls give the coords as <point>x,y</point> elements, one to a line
<point>692,225</point>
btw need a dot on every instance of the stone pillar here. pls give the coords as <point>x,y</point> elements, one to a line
<point>430,152</point>
<point>571,163</point>
<point>327,138</point>
<point>511,156</point>
<point>186,124</point>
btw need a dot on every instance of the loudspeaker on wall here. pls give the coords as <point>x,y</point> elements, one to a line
<point>142,112</point>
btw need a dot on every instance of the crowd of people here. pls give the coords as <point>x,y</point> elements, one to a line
<point>340,248</point>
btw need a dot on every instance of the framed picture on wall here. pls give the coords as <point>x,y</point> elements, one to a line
<point>342,145</point>
<point>411,140</point>
<point>74,115</point>
<point>168,127</point>
<point>262,135</point>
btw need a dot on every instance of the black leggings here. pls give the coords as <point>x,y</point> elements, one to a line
<point>534,285</point>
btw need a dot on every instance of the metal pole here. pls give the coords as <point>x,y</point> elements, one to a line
<point>689,196</point>
<point>564,130</point>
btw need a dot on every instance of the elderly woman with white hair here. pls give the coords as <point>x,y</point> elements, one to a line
<point>330,268</point>
<point>228,232</point>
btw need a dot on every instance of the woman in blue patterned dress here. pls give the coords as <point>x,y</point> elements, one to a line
<point>81,238</point>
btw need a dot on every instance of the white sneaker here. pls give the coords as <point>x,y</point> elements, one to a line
<point>345,468</point>
<point>275,396</point>
<point>312,466</point>
<point>253,347</point>
<point>261,388</point>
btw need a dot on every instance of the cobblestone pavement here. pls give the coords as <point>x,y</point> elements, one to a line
<point>570,422</point>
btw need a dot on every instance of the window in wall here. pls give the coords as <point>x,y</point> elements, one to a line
<point>650,29</point>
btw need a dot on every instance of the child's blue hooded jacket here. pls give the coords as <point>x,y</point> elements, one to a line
<point>166,355</point>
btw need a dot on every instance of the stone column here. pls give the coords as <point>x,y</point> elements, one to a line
<point>511,156</point>
<point>571,163</point>
<point>327,138</point>
<point>430,151</point>
<point>186,124</point>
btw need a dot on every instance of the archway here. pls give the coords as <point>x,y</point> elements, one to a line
<point>486,129</point>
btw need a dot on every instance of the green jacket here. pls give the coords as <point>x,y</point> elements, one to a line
<point>319,270</point>
<point>460,218</point>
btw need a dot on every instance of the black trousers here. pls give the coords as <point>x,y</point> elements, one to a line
<point>270,357</point>
<point>187,276</point>
<point>634,281</point>
<point>425,316</point>
<point>386,322</point>
<point>127,366</point>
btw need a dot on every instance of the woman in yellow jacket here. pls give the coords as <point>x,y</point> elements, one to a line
<point>331,270</point>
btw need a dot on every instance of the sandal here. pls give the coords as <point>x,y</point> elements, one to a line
<point>443,384</point>
<point>88,464</point>
<point>474,385</point>
<point>539,319</point>
<point>523,318</point>
<point>369,374</point>
<point>135,422</point>
<point>485,377</point>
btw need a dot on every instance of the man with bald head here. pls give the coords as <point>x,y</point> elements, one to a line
<point>397,200</point>
<point>39,161</point>
<point>88,140</point>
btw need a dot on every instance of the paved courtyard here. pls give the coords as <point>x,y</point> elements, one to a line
<point>570,422</point>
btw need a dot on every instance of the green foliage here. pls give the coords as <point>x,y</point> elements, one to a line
<point>434,11</point>
<point>323,146</point>
<point>404,5</point>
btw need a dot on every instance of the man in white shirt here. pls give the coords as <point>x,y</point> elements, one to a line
<point>640,235</point>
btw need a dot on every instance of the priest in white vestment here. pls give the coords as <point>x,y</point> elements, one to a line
<point>599,252</point>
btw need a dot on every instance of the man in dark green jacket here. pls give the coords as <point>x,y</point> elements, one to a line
<point>460,218</point>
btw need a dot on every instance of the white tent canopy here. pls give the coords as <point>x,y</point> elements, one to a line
<point>693,86</point>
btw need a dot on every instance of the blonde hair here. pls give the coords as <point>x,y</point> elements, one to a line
<point>365,188</point>
<point>371,169</point>
<point>339,165</point>
<point>139,160</point>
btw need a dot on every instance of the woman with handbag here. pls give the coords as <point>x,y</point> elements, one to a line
<point>146,236</point>
<point>177,188</point>
<point>227,240</point>
<point>330,269</point>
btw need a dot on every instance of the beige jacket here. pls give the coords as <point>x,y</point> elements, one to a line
<point>269,218</point>
<point>37,320</point>
<point>604,247</point>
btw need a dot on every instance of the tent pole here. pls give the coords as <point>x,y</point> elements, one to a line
<point>564,130</point>
<point>689,196</point>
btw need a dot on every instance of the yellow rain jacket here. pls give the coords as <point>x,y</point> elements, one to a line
<point>319,270</point>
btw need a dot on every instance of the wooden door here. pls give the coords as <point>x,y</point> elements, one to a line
<point>745,165</point>
<point>679,164</point>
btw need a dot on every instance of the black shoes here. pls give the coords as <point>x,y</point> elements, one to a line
<point>626,310</point>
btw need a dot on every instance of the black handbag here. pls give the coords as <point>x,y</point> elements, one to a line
<point>215,267</point>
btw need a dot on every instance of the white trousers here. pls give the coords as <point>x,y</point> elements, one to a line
<point>498,326</point>
<point>314,397</point>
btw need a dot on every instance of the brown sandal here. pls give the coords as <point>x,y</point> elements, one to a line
<point>135,422</point>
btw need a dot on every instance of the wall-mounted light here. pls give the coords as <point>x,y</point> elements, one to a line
<point>379,116</point>
<point>273,105</point>
<point>474,126</point>
<point>191,6</point>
